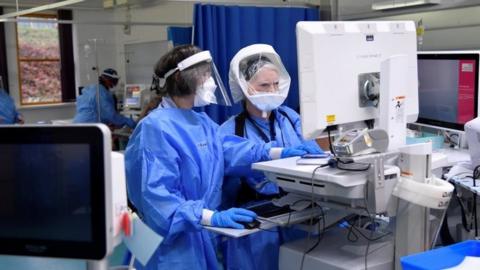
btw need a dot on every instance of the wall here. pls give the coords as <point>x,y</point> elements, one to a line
<point>110,39</point>
<point>360,9</point>
<point>36,114</point>
<point>87,37</point>
<point>451,29</point>
<point>149,23</point>
<point>449,26</point>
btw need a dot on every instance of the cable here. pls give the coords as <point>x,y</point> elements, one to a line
<point>475,177</point>
<point>311,216</point>
<point>463,210</point>
<point>290,213</point>
<point>366,166</point>
<point>352,228</point>
<point>330,143</point>
<point>321,233</point>
<point>372,220</point>
<point>450,140</point>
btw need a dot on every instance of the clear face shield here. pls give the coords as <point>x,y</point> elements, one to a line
<point>201,77</point>
<point>257,73</point>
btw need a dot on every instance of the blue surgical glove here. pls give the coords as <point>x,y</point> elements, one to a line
<point>230,218</point>
<point>310,147</point>
<point>292,152</point>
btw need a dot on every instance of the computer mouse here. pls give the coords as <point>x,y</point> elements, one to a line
<point>251,225</point>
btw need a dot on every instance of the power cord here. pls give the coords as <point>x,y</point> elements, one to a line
<point>450,139</point>
<point>372,221</point>
<point>351,166</point>
<point>476,173</point>
<point>352,230</point>
<point>320,232</point>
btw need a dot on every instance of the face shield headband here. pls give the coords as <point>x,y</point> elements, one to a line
<point>200,74</point>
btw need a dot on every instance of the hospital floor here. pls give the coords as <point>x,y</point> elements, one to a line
<point>33,263</point>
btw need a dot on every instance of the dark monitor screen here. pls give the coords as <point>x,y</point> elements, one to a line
<point>447,89</point>
<point>52,192</point>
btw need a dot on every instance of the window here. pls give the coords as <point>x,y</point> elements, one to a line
<point>38,54</point>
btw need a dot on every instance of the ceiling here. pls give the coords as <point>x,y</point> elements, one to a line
<point>87,4</point>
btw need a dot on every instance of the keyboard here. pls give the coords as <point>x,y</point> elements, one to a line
<point>268,209</point>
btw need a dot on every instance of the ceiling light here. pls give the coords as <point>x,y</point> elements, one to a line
<point>392,4</point>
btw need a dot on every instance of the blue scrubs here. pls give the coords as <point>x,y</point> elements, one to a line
<point>8,112</point>
<point>175,163</point>
<point>261,250</point>
<point>87,108</point>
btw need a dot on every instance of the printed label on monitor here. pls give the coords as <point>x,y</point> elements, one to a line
<point>330,118</point>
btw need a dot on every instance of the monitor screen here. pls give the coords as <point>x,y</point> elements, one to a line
<point>448,89</point>
<point>133,96</point>
<point>335,59</point>
<point>52,192</point>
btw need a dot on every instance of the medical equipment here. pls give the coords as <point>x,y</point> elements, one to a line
<point>135,99</point>
<point>338,87</point>
<point>339,61</point>
<point>359,142</point>
<point>472,132</point>
<point>419,192</point>
<point>136,96</point>
<point>448,88</point>
<point>63,192</point>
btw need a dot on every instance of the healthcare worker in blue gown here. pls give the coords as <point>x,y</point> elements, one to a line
<point>258,78</point>
<point>87,111</point>
<point>176,161</point>
<point>8,112</point>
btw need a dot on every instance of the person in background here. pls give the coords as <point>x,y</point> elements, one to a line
<point>176,161</point>
<point>87,103</point>
<point>8,112</point>
<point>258,78</point>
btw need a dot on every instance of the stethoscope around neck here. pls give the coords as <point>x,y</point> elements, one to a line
<point>271,122</point>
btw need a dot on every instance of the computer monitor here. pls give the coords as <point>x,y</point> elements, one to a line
<point>56,191</point>
<point>334,61</point>
<point>448,88</point>
<point>133,96</point>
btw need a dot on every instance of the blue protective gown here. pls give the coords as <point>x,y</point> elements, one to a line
<point>87,108</point>
<point>175,163</point>
<point>261,250</point>
<point>8,112</point>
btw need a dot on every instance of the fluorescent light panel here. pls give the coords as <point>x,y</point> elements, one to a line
<point>392,4</point>
<point>40,8</point>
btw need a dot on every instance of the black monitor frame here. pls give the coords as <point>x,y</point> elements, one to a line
<point>95,249</point>
<point>452,56</point>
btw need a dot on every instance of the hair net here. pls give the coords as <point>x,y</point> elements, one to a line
<point>248,62</point>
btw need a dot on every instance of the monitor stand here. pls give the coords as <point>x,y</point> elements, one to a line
<point>98,265</point>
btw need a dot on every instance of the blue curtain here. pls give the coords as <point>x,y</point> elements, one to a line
<point>224,30</point>
<point>179,35</point>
